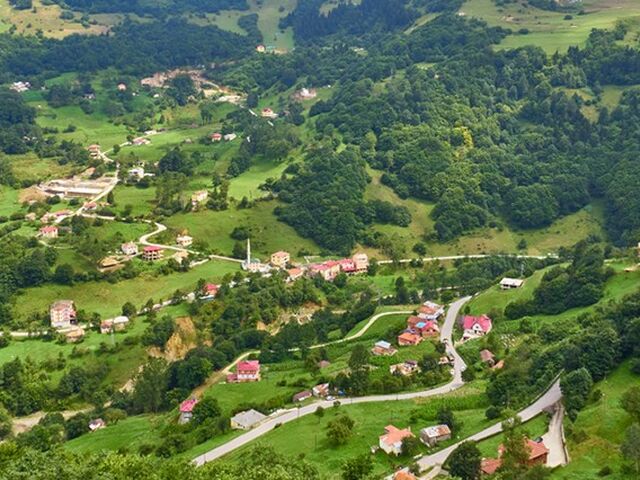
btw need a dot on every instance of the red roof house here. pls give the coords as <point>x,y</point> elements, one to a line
<point>476,326</point>
<point>246,371</point>
<point>152,252</point>
<point>186,409</point>
<point>538,453</point>
<point>408,339</point>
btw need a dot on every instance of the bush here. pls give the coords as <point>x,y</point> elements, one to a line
<point>493,412</point>
<point>604,471</point>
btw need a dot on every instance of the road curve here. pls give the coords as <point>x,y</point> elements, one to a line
<point>548,399</point>
<point>295,413</point>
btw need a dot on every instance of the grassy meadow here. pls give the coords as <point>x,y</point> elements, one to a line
<point>550,30</point>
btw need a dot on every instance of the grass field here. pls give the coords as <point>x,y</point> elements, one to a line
<point>46,19</point>
<point>107,299</point>
<point>604,423</point>
<point>267,234</point>
<point>9,200</point>
<point>269,14</point>
<point>310,432</point>
<point>549,30</point>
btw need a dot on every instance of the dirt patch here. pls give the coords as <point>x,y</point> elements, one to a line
<point>180,343</point>
<point>32,194</point>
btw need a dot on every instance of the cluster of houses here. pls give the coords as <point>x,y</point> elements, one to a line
<point>117,324</point>
<point>421,326</point>
<point>218,137</point>
<point>391,441</point>
<point>319,391</point>
<point>246,371</point>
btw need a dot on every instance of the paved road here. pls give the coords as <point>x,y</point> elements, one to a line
<point>547,400</point>
<point>554,440</point>
<point>294,414</point>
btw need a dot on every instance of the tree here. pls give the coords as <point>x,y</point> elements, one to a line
<point>464,462</point>
<point>359,359</point>
<point>630,447</point>
<point>575,388</point>
<point>447,417</point>
<point>150,387</point>
<point>63,274</point>
<point>410,446</point>
<point>340,430</point>
<point>515,454</point>
<point>630,401</point>
<point>357,468</point>
<point>129,310</point>
<point>206,409</point>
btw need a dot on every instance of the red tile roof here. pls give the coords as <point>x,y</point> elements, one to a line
<point>152,248</point>
<point>393,434</point>
<point>187,405</point>
<point>248,366</point>
<point>483,321</point>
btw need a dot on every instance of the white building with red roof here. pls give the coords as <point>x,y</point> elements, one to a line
<point>186,410</point>
<point>62,314</point>
<point>246,371</point>
<point>49,231</point>
<point>476,326</point>
<point>430,311</point>
<point>391,441</point>
<point>152,253</point>
<point>280,259</point>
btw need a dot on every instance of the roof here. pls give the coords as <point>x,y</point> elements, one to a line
<point>302,395</point>
<point>404,475</point>
<point>248,418</point>
<point>490,465</point>
<point>281,254</point>
<point>187,405</point>
<point>152,248</point>
<point>248,365</point>
<point>409,337</point>
<point>483,321</point>
<point>49,229</point>
<point>436,431</point>
<point>211,288</point>
<point>383,344</point>
<point>294,272</point>
<point>430,308</point>
<point>394,435</point>
<point>538,449</point>
<point>511,282</point>
<point>62,304</point>
<point>486,355</point>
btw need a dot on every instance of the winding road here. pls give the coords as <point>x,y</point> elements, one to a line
<point>293,414</point>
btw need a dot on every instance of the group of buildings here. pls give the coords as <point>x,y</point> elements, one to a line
<point>218,137</point>
<point>391,441</point>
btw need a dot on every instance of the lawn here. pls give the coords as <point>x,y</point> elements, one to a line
<point>268,235</point>
<point>9,200</point>
<point>141,199</point>
<point>370,419</point>
<point>46,19</point>
<point>604,423</point>
<point>549,30</point>
<point>107,299</point>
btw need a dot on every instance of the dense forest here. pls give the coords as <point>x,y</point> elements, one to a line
<point>144,7</point>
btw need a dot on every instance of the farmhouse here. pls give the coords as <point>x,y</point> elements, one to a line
<point>431,311</point>
<point>62,314</point>
<point>216,137</point>
<point>122,87</point>
<point>129,248</point>
<point>184,240</point>
<point>383,348</point>
<point>302,396</point>
<point>261,48</point>
<point>408,339</point>
<point>246,420</point>
<point>294,274</point>
<point>20,87</point>
<point>391,441</point>
<point>151,253</point>
<point>137,173</point>
<point>210,290</point>
<point>405,368</point>
<point>268,113</point>
<point>476,326</point>
<point>321,390</point>
<point>487,357</point>
<point>510,283</point>
<point>186,410</point>
<point>246,371</point>
<point>94,150</point>
<point>230,137</point>
<point>96,424</point>
<point>280,259</point>
<point>427,329</point>
<point>139,141</point>
<point>538,454</point>
<point>116,324</point>
<point>199,197</point>
<point>433,435</point>
<point>50,231</point>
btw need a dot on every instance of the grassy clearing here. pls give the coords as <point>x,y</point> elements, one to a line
<point>563,232</point>
<point>370,419</point>
<point>45,18</point>
<point>604,423</point>
<point>29,167</point>
<point>268,234</point>
<point>549,30</point>
<point>141,199</point>
<point>107,299</point>
<point>9,200</point>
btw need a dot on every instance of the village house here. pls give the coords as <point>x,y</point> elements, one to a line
<point>30,217</point>
<point>74,336</point>
<point>199,197</point>
<point>184,241</point>
<point>268,113</point>
<point>321,390</point>
<point>151,253</point>
<point>186,410</point>
<point>90,206</point>
<point>404,474</point>
<point>391,441</point>
<point>347,265</point>
<point>430,311</point>
<point>427,329</point>
<point>307,93</point>
<point>405,369</point>
<point>129,248</point>
<point>20,87</point>
<point>446,360</point>
<point>409,339</point>
<point>475,326</point>
<point>487,357</point>
<point>210,291</point>
<point>361,261</point>
<point>510,283</point>
<point>137,173</point>
<point>431,436</point>
<point>538,455</point>
<point>116,324</point>
<point>294,274</point>
<point>96,424</point>
<point>108,263</point>
<point>246,371</point>
<point>62,314</point>
<point>139,141</point>
<point>49,231</point>
<point>246,420</point>
<point>230,137</point>
<point>302,396</point>
<point>216,137</point>
<point>384,349</point>
<point>94,150</point>
<point>280,259</point>
<point>261,48</point>
<point>122,87</point>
